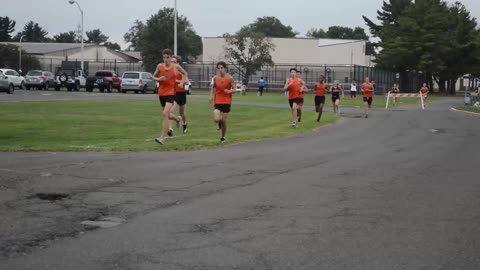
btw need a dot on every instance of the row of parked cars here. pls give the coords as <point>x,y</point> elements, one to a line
<point>74,79</point>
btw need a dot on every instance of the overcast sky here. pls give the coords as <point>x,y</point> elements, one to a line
<point>208,17</point>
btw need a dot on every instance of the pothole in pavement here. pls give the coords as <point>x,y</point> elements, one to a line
<point>51,196</point>
<point>103,223</point>
<point>435,130</point>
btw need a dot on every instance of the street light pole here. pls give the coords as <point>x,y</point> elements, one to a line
<point>81,38</point>
<point>20,54</point>
<point>175,31</point>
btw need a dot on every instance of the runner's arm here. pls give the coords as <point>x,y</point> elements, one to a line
<point>212,87</point>
<point>184,75</point>
<point>155,74</point>
<point>286,85</point>
<point>232,90</point>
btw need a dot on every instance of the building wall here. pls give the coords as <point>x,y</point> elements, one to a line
<point>298,51</point>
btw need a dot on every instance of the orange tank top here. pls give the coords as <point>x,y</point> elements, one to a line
<point>220,85</point>
<point>179,78</point>
<point>367,86</point>
<point>320,89</point>
<point>167,87</point>
<point>424,90</point>
<point>294,89</point>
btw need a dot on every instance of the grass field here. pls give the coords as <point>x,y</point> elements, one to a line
<point>474,109</point>
<point>133,125</point>
<point>279,98</point>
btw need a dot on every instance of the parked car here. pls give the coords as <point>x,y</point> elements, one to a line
<point>103,80</point>
<point>14,77</point>
<point>72,79</point>
<point>138,82</point>
<point>39,79</point>
<point>5,84</point>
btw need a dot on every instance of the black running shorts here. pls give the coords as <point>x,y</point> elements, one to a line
<point>224,108</point>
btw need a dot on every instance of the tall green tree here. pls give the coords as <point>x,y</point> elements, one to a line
<point>249,51</point>
<point>157,34</point>
<point>431,38</point>
<point>66,37</point>
<point>112,46</point>
<point>133,34</point>
<point>463,45</point>
<point>389,15</point>
<point>316,33</point>
<point>341,32</point>
<point>7,26</point>
<point>271,27</point>
<point>9,58</point>
<point>96,36</point>
<point>33,32</point>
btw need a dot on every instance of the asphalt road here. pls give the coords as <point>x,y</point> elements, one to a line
<point>399,190</point>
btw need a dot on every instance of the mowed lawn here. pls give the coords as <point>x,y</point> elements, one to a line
<point>280,98</point>
<point>133,125</point>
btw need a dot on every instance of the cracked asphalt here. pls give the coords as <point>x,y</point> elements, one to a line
<point>399,190</point>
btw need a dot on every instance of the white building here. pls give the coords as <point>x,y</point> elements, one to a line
<point>300,51</point>
<point>52,54</point>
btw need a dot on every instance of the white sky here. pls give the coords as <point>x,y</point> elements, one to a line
<point>208,17</point>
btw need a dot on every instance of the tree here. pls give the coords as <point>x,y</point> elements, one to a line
<point>96,36</point>
<point>271,27</point>
<point>316,33</point>
<point>157,34</point>
<point>249,50</point>
<point>112,46</point>
<point>32,32</point>
<point>7,26</point>
<point>341,32</point>
<point>133,34</point>
<point>9,58</point>
<point>388,15</point>
<point>463,45</point>
<point>432,38</point>
<point>66,37</point>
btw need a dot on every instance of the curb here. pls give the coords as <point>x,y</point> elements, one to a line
<point>467,112</point>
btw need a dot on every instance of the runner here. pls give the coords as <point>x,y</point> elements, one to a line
<point>336,89</point>
<point>367,89</point>
<point>221,94</point>
<point>303,89</point>
<point>395,90</point>
<point>181,94</point>
<point>424,91</point>
<point>165,75</point>
<point>320,96</point>
<point>293,86</point>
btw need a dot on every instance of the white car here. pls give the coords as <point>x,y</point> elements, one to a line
<point>14,77</point>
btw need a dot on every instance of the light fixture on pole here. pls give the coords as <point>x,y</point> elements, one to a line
<point>20,55</point>
<point>175,31</point>
<point>81,38</point>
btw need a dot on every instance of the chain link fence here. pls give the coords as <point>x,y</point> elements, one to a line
<point>201,74</point>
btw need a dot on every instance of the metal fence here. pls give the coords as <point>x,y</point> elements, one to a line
<point>201,74</point>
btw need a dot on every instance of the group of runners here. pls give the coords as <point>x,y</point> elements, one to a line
<point>172,79</point>
<point>296,88</point>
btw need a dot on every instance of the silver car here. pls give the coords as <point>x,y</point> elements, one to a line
<point>39,79</point>
<point>138,82</point>
<point>5,84</point>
